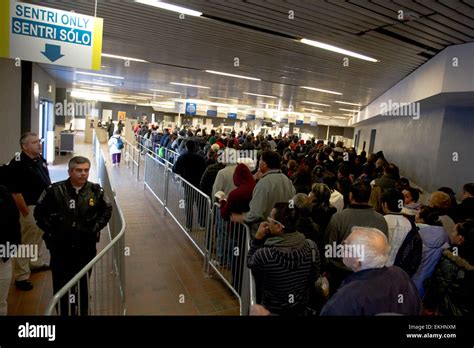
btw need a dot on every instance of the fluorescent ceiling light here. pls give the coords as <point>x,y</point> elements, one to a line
<point>97,83</point>
<point>124,58</point>
<point>206,102</point>
<point>268,110</point>
<point>137,97</point>
<point>340,117</point>
<point>169,7</point>
<point>88,95</point>
<point>163,91</point>
<point>313,103</point>
<point>151,95</point>
<point>349,110</point>
<point>101,75</point>
<point>187,85</point>
<point>313,110</point>
<point>163,106</point>
<point>261,95</point>
<point>195,101</point>
<point>232,75</point>
<point>341,102</point>
<point>224,98</point>
<point>96,87</point>
<point>337,49</point>
<point>321,90</point>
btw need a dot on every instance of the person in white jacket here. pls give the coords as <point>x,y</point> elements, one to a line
<point>116,144</point>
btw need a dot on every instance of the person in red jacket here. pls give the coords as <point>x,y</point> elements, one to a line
<point>237,202</point>
<point>239,198</point>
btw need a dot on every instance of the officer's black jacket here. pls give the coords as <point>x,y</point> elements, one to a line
<point>72,221</point>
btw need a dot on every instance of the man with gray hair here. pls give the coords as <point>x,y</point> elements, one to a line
<point>72,213</point>
<point>28,178</point>
<point>373,288</point>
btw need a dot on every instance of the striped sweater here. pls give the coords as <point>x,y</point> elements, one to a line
<point>284,273</point>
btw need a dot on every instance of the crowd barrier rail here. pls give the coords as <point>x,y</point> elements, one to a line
<point>222,243</point>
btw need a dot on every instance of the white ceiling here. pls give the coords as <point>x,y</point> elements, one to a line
<point>260,34</point>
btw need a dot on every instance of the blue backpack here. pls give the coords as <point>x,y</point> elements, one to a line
<point>119,143</point>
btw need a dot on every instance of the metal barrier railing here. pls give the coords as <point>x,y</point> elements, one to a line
<point>153,148</point>
<point>188,206</point>
<point>134,154</point>
<point>229,245</point>
<point>223,244</point>
<point>99,288</point>
<point>155,174</point>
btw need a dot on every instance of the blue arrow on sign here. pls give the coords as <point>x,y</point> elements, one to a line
<point>52,52</point>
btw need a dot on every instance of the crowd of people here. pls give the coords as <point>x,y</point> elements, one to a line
<point>307,200</point>
<point>333,232</point>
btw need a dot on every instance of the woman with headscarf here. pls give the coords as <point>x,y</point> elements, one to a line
<point>322,210</point>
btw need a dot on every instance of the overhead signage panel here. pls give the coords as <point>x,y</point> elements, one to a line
<point>46,35</point>
<point>250,117</point>
<point>191,109</point>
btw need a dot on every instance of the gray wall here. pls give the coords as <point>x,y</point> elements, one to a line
<point>457,136</point>
<point>44,80</point>
<point>310,129</point>
<point>423,149</point>
<point>131,110</point>
<point>321,131</point>
<point>10,109</point>
<point>61,96</point>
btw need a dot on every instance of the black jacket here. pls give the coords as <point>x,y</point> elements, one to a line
<point>10,230</point>
<point>465,210</point>
<point>72,221</point>
<point>450,289</point>
<point>190,166</point>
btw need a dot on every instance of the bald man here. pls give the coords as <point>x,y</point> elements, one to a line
<point>373,288</point>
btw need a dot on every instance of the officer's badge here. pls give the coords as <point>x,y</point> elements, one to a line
<point>91,202</point>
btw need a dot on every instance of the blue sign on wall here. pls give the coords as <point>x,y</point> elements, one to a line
<point>284,120</point>
<point>232,115</point>
<point>299,122</point>
<point>250,117</point>
<point>191,109</point>
<point>212,113</point>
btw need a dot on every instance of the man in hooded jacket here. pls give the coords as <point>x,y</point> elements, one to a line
<point>284,262</point>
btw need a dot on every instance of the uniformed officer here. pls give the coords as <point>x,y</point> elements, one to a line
<point>72,213</point>
<point>29,177</point>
